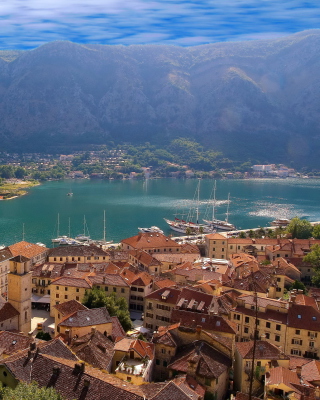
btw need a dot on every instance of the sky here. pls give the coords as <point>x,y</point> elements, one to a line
<point>26,24</point>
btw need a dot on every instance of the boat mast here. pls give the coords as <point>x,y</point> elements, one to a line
<point>104,225</point>
<point>227,214</point>
<point>69,229</point>
<point>23,231</point>
<point>214,200</point>
<point>84,225</point>
<point>198,202</point>
<point>58,229</point>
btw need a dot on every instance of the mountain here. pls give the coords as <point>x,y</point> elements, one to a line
<point>256,99</point>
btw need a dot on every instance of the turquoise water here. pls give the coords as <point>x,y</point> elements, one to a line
<point>129,204</point>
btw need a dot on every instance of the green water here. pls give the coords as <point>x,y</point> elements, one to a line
<point>131,204</point>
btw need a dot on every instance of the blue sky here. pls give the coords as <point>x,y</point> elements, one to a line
<point>27,24</point>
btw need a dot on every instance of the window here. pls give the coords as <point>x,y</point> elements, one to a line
<point>279,289</point>
<point>134,289</point>
<point>66,296</point>
<point>311,344</point>
<point>247,320</point>
<point>122,290</point>
<point>314,318</point>
<point>267,335</point>
<point>299,316</point>
<point>163,351</point>
<point>66,289</point>
<point>222,249</point>
<point>246,330</point>
<point>278,327</point>
<point>57,296</point>
<point>207,382</point>
<point>297,331</point>
<point>165,363</point>
<point>278,279</point>
<point>231,247</point>
<point>295,352</point>
<point>157,361</point>
<point>106,288</point>
<point>268,325</point>
<point>277,338</point>
<point>77,290</point>
<point>214,249</point>
<point>77,298</point>
<point>57,287</point>
<point>236,316</point>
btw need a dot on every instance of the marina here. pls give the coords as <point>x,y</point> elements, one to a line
<point>131,204</point>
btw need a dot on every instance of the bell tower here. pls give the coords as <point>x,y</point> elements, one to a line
<point>19,290</point>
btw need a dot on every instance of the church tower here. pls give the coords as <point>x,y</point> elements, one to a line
<point>19,290</point>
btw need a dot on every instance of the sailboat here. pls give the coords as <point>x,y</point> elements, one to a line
<point>217,223</point>
<point>103,241</point>
<point>190,227</point>
<point>83,237</point>
<point>58,238</point>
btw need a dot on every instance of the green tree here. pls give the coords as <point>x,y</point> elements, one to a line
<point>299,228</point>
<point>117,307</point>
<point>242,235</point>
<point>316,232</point>
<point>31,391</point>
<point>298,285</point>
<point>313,258</point>
<point>43,336</point>
<point>20,173</point>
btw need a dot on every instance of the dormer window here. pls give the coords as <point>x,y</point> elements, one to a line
<point>314,318</point>
<point>299,316</point>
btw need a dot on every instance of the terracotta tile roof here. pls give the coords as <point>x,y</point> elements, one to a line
<point>77,251</point>
<point>107,279</point>
<point>118,255</point>
<point>190,386</point>
<point>7,311</point>
<point>144,258</point>
<point>161,283</point>
<point>11,343</point>
<point>152,389</point>
<point>112,268</point>
<point>176,258</point>
<point>297,361</point>
<point>145,349</point>
<point>117,330</point>
<point>74,282</point>
<point>210,363</point>
<point>150,240</point>
<point>5,254</point>
<point>304,317</point>
<point>142,279</point>
<point>190,299</point>
<point>190,248</point>
<point>310,371</point>
<point>210,323</point>
<point>26,249</point>
<point>171,391</point>
<point>94,348</point>
<point>215,236</point>
<point>172,295</point>
<point>245,396</point>
<point>264,350</point>
<point>283,375</point>
<point>88,317</point>
<point>302,299</point>
<point>71,382</point>
<point>69,307</point>
<point>225,341</point>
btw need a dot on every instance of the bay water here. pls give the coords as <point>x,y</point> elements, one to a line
<point>130,204</point>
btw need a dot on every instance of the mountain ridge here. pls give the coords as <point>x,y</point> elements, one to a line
<point>247,99</point>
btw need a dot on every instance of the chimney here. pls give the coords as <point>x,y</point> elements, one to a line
<point>298,370</point>
<point>93,330</point>
<point>198,329</point>
<point>32,346</point>
<point>55,370</point>
<point>82,366</point>
<point>68,336</point>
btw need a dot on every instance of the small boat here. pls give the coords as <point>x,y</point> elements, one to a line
<point>283,222</point>
<point>152,229</point>
<point>59,237</point>
<point>70,194</point>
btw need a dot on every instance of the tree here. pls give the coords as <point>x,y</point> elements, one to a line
<point>117,307</point>
<point>43,336</point>
<point>313,258</point>
<point>316,232</point>
<point>298,285</point>
<point>299,228</point>
<point>30,391</point>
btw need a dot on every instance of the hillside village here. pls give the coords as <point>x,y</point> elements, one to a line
<point>216,324</point>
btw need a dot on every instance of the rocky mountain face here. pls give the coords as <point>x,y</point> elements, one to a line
<point>257,99</point>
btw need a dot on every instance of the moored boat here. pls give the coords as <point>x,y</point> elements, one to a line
<point>283,222</point>
<point>152,229</point>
